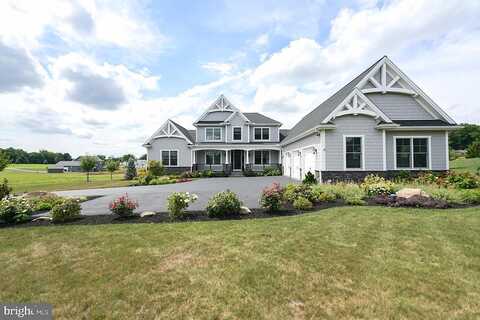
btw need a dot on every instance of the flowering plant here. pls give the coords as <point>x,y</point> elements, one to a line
<point>178,202</point>
<point>123,206</point>
<point>15,209</point>
<point>272,197</point>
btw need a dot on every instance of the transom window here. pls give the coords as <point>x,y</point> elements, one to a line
<point>237,133</point>
<point>170,158</point>
<point>261,133</point>
<point>412,153</point>
<point>213,134</point>
<point>353,152</point>
<point>213,157</point>
<point>262,157</point>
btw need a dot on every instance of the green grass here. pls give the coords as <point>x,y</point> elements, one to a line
<point>29,166</point>
<point>340,263</point>
<point>463,165</point>
<point>22,181</point>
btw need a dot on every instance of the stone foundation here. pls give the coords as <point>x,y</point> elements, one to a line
<point>358,176</point>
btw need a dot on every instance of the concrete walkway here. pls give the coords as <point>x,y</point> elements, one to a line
<point>154,198</point>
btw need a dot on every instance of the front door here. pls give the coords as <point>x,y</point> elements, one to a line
<point>237,160</point>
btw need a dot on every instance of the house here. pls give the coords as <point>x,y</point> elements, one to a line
<point>71,166</point>
<point>380,122</point>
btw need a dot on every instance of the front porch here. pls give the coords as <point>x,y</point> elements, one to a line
<point>231,161</point>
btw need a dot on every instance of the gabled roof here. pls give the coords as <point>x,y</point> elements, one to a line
<point>316,116</point>
<point>283,134</point>
<point>185,132</point>
<point>422,123</point>
<point>256,117</point>
<point>170,129</point>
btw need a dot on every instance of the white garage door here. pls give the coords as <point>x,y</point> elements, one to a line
<point>309,162</point>
<point>296,170</point>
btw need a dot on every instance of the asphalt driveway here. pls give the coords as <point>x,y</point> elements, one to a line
<point>154,198</point>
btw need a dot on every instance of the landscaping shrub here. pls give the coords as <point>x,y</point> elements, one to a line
<point>249,173</point>
<point>309,178</point>
<point>473,150</point>
<point>471,196</point>
<point>321,193</point>
<point>206,174</point>
<point>302,203</point>
<point>162,180</point>
<point>428,178</point>
<point>223,204</point>
<point>68,209</point>
<point>463,180</point>
<point>131,171</point>
<point>402,176</point>
<point>123,206</point>
<point>327,196</point>
<point>272,197</point>
<point>375,185</point>
<point>15,209</point>
<point>45,202</point>
<point>178,202</point>
<point>420,202</point>
<point>4,189</point>
<point>294,191</point>
<point>449,195</point>
<point>272,171</point>
<point>155,168</point>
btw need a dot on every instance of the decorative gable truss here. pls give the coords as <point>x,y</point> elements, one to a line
<point>220,105</point>
<point>386,77</point>
<point>168,130</point>
<point>356,103</point>
<point>241,116</point>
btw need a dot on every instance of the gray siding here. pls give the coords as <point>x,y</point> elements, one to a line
<point>273,133</point>
<point>184,153</point>
<point>438,145</point>
<point>399,106</point>
<point>237,121</point>
<point>354,125</point>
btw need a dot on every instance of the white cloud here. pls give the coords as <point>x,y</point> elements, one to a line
<point>221,68</point>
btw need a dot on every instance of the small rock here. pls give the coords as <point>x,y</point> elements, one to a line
<point>245,210</point>
<point>42,218</point>
<point>410,192</point>
<point>147,214</point>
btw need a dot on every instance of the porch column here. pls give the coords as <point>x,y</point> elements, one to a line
<point>226,157</point>
<point>247,160</point>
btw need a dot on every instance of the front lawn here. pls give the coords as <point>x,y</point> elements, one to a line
<point>345,262</point>
<point>463,164</point>
<point>25,181</point>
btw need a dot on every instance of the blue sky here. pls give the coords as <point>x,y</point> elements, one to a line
<point>101,76</point>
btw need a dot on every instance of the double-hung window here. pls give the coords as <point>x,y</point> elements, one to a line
<point>237,133</point>
<point>412,153</point>
<point>262,157</point>
<point>213,134</point>
<point>261,133</point>
<point>169,158</point>
<point>353,152</point>
<point>213,157</point>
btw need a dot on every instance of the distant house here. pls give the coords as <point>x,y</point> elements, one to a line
<point>70,166</point>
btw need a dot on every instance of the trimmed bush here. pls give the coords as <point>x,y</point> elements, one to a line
<point>249,173</point>
<point>375,185</point>
<point>15,210</point>
<point>123,206</point>
<point>155,168</point>
<point>272,171</point>
<point>327,196</point>
<point>5,190</point>
<point>293,191</point>
<point>463,180</point>
<point>302,203</point>
<point>471,196</point>
<point>178,202</point>
<point>309,178</point>
<point>163,180</point>
<point>223,204</point>
<point>45,202</point>
<point>131,171</point>
<point>68,209</point>
<point>272,197</point>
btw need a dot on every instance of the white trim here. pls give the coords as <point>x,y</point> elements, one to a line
<point>168,130</point>
<point>261,134</point>
<point>384,149</point>
<point>233,134</point>
<point>169,157</point>
<point>221,104</point>
<point>357,108</point>
<point>234,113</point>
<point>345,136</point>
<point>447,150</point>
<point>221,134</point>
<point>429,138</point>
<point>323,154</point>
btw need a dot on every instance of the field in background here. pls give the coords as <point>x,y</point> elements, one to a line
<point>340,263</point>
<point>33,177</point>
<point>463,165</point>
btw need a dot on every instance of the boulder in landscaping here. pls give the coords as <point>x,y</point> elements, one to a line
<point>147,214</point>
<point>245,210</point>
<point>410,192</point>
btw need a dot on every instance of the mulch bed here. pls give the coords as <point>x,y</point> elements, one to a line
<point>163,217</point>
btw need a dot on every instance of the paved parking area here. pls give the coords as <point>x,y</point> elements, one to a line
<point>154,198</point>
